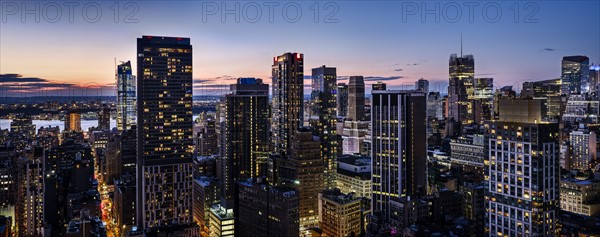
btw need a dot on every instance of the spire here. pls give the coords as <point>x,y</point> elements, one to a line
<point>461,45</point>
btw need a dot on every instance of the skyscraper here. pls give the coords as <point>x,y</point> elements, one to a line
<point>164,131</point>
<point>126,97</point>
<point>104,118</point>
<point>342,100</point>
<point>288,99</point>
<point>483,99</point>
<point>324,103</point>
<point>460,93</point>
<point>355,127</point>
<point>550,92</point>
<point>575,75</point>
<point>522,166</point>
<point>356,99</point>
<point>422,85</point>
<point>399,153</point>
<point>303,170</point>
<point>246,134</point>
<point>73,121</point>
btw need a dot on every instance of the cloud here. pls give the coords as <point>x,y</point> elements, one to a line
<point>198,80</point>
<point>376,78</point>
<point>547,50</point>
<point>17,78</point>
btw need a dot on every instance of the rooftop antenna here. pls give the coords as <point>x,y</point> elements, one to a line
<point>461,45</point>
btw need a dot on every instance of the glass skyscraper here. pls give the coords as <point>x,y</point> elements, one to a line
<point>460,93</point>
<point>399,153</point>
<point>164,131</point>
<point>125,97</point>
<point>575,75</point>
<point>288,99</point>
<point>324,101</point>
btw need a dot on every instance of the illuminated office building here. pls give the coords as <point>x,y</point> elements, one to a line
<point>582,150</point>
<point>378,86</point>
<point>580,196</point>
<point>342,99</point>
<point>460,93</point>
<point>22,124</point>
<point>303,170</point>
<point>164,131</point>
<point>355,127</point>
<point>549,91</point>
<point>399,155</point>
<point>73,121</point>
<point>580,109</point>
<point>575,75</point>
<point>288,99</point>
<point>126,97</point>
<point>483,98</point>
<point>104,118</point>
<point>340,214</point>
<point>354,175</point>
<point>246,134</point>
<point>30,204</point>
<point>323,99</point>
<point>522,166</point>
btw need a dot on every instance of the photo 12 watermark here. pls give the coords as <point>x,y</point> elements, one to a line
<point>454,12</point>
<point>253,12</point>
<point>54,12</point>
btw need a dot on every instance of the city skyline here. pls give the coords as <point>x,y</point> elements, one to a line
<point>510,51</point>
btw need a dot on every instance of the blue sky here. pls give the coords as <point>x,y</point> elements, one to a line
<point>388,39</point>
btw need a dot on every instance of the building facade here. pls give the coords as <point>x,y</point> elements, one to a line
<point>399,155</point>
<point>164,131</point>
<point>288,99</point>
<point>522,166</point>
<point>126,97</point>
<point>323,99</point>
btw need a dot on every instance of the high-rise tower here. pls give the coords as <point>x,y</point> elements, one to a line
<point>164,131</point>
<point>288,99</point>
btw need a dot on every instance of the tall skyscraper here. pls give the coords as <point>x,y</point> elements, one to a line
<point>342,100</point>
<point>522,166</point>
<point>483,99</point>
<point>126,97</point>
<point>303,170</point>
<point>164,131</point>
<point>246,134</point>
<point>422,85</point>
<point>575,75</point>
<point>324,103</point>
<point>288,99</point>
<point>104,118</point>
<point>356,99</point>
<point>460,93</point>
<point>73,121</point>
<point>399,153</point>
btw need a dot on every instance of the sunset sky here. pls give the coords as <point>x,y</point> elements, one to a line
<point>379,39</point>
